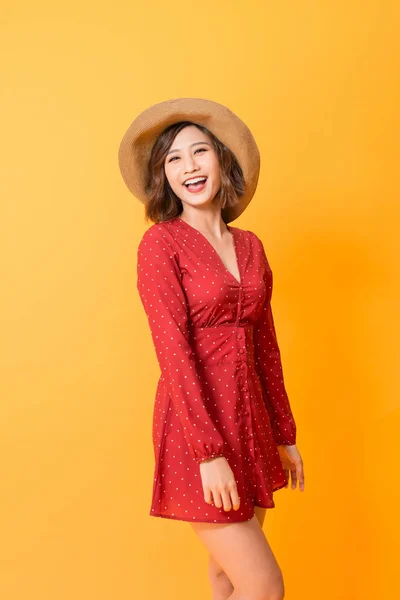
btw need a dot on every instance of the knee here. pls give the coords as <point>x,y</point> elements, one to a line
<point>220,582</point>
<point>270,589</point>
<point>221,585</point>
<point>215,571</point>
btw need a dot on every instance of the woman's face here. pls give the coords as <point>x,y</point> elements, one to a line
<point>192,158</point>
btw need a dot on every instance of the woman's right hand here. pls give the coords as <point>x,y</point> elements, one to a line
<point>219,485</point>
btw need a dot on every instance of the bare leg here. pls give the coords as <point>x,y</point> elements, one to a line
<point>221,585</point>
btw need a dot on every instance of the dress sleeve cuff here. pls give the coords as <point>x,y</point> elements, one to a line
<point>280,439</point>
<point>200,459</point>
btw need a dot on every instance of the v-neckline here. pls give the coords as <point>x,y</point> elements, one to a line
<point>232,232</point>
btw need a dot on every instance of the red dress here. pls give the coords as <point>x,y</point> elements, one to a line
<point>221,390</point>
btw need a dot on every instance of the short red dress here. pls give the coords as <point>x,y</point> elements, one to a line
<point>221,390</point>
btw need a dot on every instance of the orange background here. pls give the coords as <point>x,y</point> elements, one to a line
<point>318,85</point>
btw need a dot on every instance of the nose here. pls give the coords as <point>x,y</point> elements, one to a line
<point>189,163</point>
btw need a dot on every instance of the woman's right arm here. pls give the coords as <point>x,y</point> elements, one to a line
<point>160,290</point>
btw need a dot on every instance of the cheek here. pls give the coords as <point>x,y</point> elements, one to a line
<point>169,174</point>
<point>175,184</point>
<point>214,167</point>
<point>216,174</point>
<point>167,171</point>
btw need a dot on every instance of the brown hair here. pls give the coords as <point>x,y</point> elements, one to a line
<point>163,203</point>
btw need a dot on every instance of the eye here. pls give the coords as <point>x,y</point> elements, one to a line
<point>197,150</point>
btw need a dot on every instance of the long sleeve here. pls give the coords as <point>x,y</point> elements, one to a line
<point>268,360</point>
<point>164,301</point>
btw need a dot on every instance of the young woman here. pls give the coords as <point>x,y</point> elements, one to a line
<point>223,430</point>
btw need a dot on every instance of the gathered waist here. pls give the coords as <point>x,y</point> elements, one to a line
<point>224,343</point>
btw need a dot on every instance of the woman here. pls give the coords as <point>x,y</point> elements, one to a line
<point>223,431</point>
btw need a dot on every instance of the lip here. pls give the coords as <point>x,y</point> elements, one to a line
<point>199,191</point>
<point>195,177</point>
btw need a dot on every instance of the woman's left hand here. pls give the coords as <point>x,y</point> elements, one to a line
<point>292,463</point>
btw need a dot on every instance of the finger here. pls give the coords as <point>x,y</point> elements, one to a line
<point>294,478</point>
<point>217,498</point>
<point>208,496</point>
<point>287,477</point>
<point>235,498</point>
<point>301,479</point>
<point>226,500</point>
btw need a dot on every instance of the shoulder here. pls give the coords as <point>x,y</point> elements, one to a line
<point>157,236</point>
<point>247,233</point>
<point>255,238</point>
<point>157,251</point>
<point>257,246</point>
<point>251,238</point>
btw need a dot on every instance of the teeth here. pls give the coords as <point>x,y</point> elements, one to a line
<point>195,180</point>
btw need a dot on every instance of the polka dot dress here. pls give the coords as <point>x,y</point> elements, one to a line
<point>221,390</point>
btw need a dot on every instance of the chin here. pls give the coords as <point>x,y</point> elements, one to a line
<point>194,199</point>
<point>200,202</point>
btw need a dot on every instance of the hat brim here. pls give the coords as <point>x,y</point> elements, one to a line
<point>135,147</point>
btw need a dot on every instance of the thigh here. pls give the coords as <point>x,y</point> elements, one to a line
<point>243,552</point>
<point>260,513</point>
<point>214,567</point>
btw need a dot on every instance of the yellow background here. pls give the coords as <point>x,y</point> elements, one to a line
<point>318,84</point>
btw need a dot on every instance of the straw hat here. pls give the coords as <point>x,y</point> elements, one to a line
<point>135,148</point>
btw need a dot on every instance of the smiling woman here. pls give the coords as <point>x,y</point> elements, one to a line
<point>221,408</point>
<point>163,187</point>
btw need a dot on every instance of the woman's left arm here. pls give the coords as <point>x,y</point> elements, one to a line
<point>269,365</point>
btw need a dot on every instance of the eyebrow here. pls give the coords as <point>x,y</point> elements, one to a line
<point>195,144</point>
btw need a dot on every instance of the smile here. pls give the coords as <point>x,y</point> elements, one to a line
<point>196,184</point>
